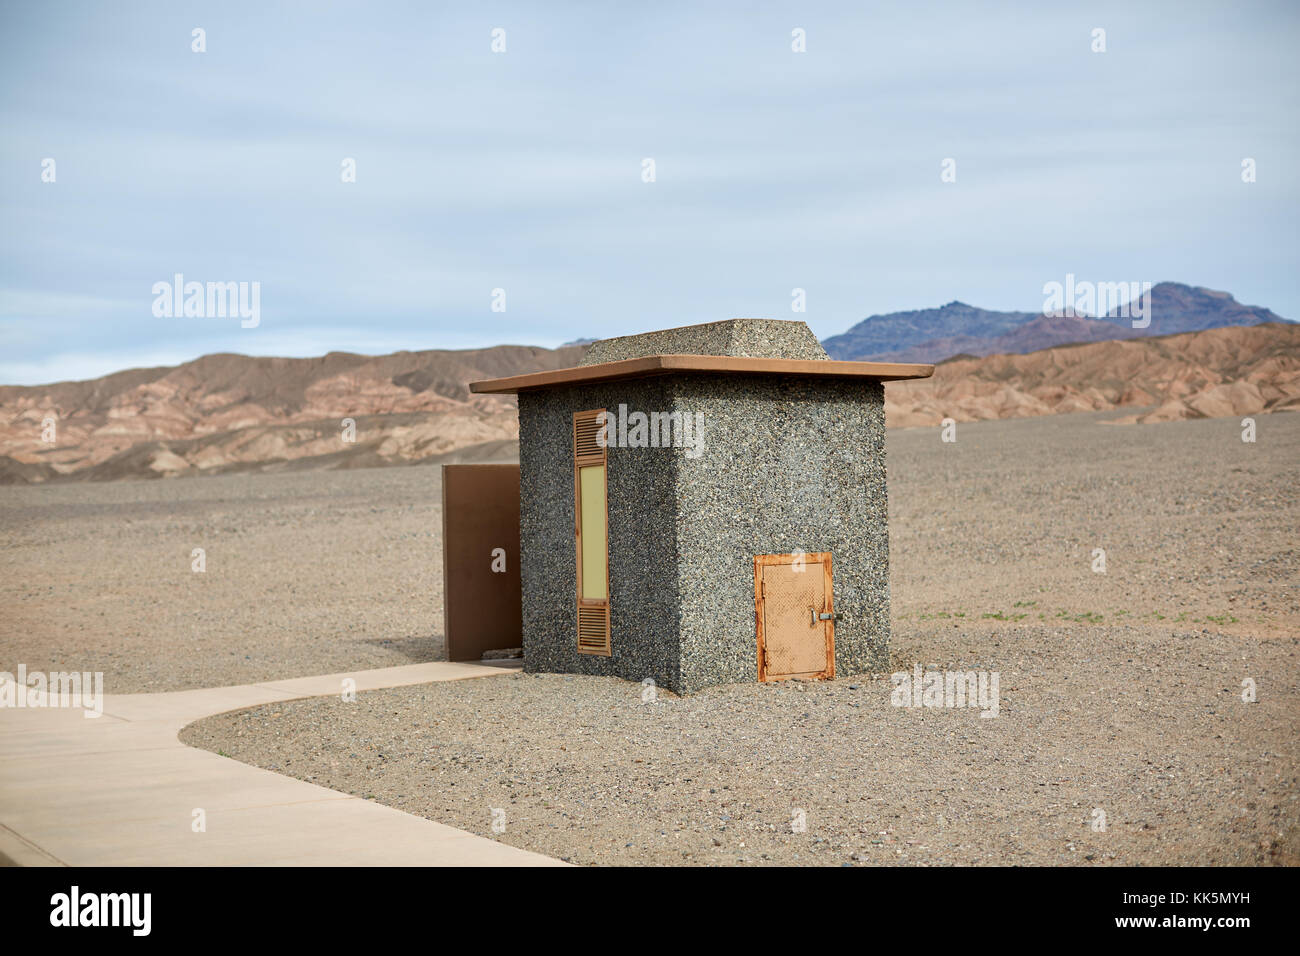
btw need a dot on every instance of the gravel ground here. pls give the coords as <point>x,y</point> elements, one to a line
<point>1198,527</point>
<point>306,573</point>
<point>1119,692</point>
<point>1153,732</point>
<point>317,572</point>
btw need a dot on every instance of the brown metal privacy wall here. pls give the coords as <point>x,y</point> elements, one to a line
<point>480,513</point>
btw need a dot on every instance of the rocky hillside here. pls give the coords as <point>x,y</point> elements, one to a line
<point>225,413</point>
<point>933,335</point>
<point>888,335</point>
<point>1218,372</point>
<point>1040,332</point>
<point>1183,308</point>
<point>232,413</point>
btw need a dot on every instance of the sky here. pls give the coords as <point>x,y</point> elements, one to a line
<point>524,169</point>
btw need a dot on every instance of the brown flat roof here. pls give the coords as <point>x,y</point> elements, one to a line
<point>676,364</point>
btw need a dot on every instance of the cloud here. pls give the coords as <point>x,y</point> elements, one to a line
<point>522,171</point>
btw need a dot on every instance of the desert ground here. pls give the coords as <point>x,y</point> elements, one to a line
<point>1121,692</point>
<point>305,573</point>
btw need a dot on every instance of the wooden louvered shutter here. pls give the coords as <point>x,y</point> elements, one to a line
<point>591,533</point>
<point>593,629</point>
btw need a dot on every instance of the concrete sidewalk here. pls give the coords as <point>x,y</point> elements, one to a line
<point>120,790</point>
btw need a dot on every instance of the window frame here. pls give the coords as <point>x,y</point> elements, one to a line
<point>600,460</point>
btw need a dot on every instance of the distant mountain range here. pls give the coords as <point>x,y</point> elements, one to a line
<point>225,412</point>
<point>1213,373</point>
<point>932,335</point>
<point>234,413</point>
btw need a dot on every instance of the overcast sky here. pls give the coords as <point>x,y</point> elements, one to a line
<point>523,170</point>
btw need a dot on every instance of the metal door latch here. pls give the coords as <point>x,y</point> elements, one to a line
<point>814,617</point>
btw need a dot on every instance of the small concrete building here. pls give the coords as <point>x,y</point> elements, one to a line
<point>705,505</point>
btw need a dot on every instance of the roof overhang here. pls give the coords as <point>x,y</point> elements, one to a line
<point>679,364</point>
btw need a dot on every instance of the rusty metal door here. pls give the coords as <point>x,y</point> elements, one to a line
<point>482,604</point>
<point>794,615</point>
